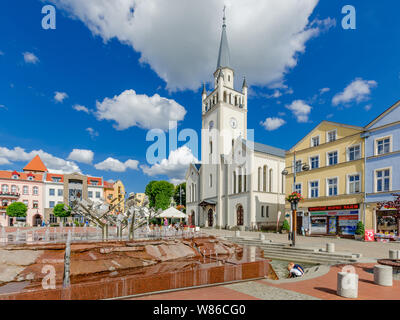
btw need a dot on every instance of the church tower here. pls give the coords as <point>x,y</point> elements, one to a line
<point>224,109</point>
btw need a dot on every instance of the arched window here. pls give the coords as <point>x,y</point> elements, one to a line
<point>245,180</point>
<point>240,216</point>
<point>230,98</point>
<point>211,184</point>
<point>259,179</point>
<point>4,188</point>
<point>211,147</point>
<point>262,211</point>
<point>225,97</point>
<point>265,179</point>
<point>270,180</point>
<point>240,181</point>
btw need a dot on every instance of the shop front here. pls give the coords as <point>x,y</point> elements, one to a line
<point>334,220</point>
<point>387,223</point>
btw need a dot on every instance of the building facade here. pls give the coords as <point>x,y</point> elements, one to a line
<point>222,191</point>
<point>333,188</point>
<point>382,143</point>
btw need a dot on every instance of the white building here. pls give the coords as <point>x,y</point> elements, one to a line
<point>239,183</point>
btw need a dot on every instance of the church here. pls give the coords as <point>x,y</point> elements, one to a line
<point>238,184</point>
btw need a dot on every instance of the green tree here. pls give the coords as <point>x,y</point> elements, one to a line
<point>160,194</point>
<point>17,209</point>
<point>286,225</point>
<point>177,198</point>
<point>360,230</point>
<point>59,211</point>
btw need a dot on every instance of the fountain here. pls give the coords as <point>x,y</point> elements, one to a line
<point>47,235</point>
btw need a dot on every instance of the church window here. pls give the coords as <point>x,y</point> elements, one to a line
<point>262,211</point>
<point>240,181</point>
<point>225,97</point>
<point>270,180</point>
<point>245,181</point>
<point>211,147</point>
<point>211,181</point>
<point>259,179</point>
<point>229,78</point>
<point>234,181</point>
<point>230,99</point>
<point>265,179</point>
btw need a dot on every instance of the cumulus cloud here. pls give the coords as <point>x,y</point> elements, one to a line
<point>300,110</point>
<point>81,155</point>
<point>111,164</point>
<point>29,57</point>
<point>130,109</point>
<point>52,163</point>
<point>4,161</point>
<point>174,167</point>
<point>93,133</point>
<point>271,124</point>
<point>359,90</point>
<point>179,39</point>
<point>78,107</point>
<point>324,90</point>
<point>60,96</point>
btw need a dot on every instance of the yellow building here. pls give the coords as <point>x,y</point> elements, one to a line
<point>333,188</point>
<point>116,191</point>
<point>140,197</point>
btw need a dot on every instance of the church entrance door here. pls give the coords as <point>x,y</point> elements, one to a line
<point>240,217</point>
<point>210,218</point>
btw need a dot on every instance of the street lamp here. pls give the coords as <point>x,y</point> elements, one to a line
<point>294,203</point>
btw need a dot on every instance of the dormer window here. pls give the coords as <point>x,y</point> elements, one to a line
<point>56,179</point>
<point>15,176</point>
<point>30,178</point>
<point>94,182</point>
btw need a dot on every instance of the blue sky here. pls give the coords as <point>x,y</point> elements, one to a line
<point>92,66</point>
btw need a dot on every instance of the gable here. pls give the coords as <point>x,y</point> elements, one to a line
<point>389,116</point>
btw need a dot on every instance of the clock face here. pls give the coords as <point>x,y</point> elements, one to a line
<point>233,123</point>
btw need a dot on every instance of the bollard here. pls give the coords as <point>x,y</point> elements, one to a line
<point>394,254</point>
<point>330,247</point>
<point>262,237</point>
<point>383,275</point>
<point>237,234</point>
<point>347,285</point>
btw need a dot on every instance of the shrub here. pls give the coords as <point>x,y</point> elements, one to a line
<point>59,211</point>
<point>286,225</point>
<point>360,230</point>
<point>16,209</point>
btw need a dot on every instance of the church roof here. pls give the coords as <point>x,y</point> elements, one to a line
<point>198,166</point>
<point>36,165</point>
<point>263,148</point>
<point>224,58</point>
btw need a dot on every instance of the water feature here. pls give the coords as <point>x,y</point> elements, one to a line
<point>280,267</point>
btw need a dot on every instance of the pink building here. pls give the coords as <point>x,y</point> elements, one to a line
<point>26,187</point>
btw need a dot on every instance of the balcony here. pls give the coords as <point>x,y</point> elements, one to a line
<point>9,195</point>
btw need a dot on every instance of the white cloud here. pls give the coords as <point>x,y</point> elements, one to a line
<point>368,107</point>
<point>93,133</point>
<point>179,39</point>
<point>52,163</point>
<point>29,57</point>
<point>81,155</point>
<point>272,124</point>
<point>359,90</point>
<point>111,164</point>
<point>78,107</point>
<point>60,96</point>
<point>324,90</point>
<point>130,109</point>
<point>4,161</point>
<point>300,110</point>
<point>174,167</point>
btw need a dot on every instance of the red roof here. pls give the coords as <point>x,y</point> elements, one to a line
<point>15,173</point>
<point>108,185</point>
<point>50,177</point>
<point>22,175</point>
<point>90,179</point>
<point>36,165</point>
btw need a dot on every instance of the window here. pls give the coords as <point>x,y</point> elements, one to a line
<point>332,158</point>
<point>94,182</point>
<point>297,188</point>
<point>15,176</point>
<point>382,146</point>
<point>332,187</point>
<point>298,166</point>
<point>234,181</point>
<point>211,147</point>
<point>331,136</point>
<point>14,189</point>
<point>267,211</point>
<point>315,141</point>
<point>383,180</point>
<point>52,192</point>
<point>314,189</point>
<point>90,194</point>
<point>25,202</point>
<point>30,178</point>
<point>4,188</point>
<point>35,205</point>
<point>270,180</point>
<point>265,179</point>
<point>210,180</point>
<point>56,179</point>
<point>262,211</point>
<point>51,204</point>
<point>25,190</point>
<point>354,153</point>
<point>354,183</point>
<point>97,195</point>
<point>60,192</point>
<point>314,162</point>
<point>259,179</point>
<point>35,191</point>
<point>53,218</point>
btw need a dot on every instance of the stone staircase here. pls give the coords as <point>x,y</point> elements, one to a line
<point>280,251</point>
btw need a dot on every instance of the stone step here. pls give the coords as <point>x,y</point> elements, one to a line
<point>315,253</point>
<point>316,256</point>
<point>305,259</point>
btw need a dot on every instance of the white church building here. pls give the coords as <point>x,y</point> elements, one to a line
<point>239,182</point>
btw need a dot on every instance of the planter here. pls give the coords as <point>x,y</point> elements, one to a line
<point>358,237</point>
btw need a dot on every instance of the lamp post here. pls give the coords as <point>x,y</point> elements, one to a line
<point>294,203</point>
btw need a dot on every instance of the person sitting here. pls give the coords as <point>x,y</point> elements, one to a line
<point>295,270</point>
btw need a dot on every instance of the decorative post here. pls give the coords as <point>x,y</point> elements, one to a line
<point>294,199</point>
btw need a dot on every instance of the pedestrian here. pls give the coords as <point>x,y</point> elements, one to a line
<point>295,270</point>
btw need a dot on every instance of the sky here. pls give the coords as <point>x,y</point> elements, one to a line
<point>85,95</point>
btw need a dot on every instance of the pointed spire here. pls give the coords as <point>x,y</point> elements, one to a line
<point>204,89</point>
<point>244,83</point>
<point>224,59</point>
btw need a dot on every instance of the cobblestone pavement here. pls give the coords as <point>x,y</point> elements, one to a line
<point>376,250</point>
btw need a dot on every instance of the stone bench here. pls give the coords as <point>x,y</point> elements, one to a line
<point>383,275</point>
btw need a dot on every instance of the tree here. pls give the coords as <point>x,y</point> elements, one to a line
<point>286,225</point>
<point>59,211</point>
<point>180,188</point>
<point>160,194</point>
<point>17,209</point>
<point>360,230</point>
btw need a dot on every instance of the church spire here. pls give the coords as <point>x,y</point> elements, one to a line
<point>224,59</point>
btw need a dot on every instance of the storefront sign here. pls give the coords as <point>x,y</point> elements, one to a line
<point>369,235</point>
<point>335,208</point>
